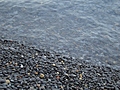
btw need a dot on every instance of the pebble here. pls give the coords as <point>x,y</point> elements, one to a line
<point>22,56</point>
<point>28,74</point>
<point>41,75</point>
<point>62,62</point>
<point>31,88</point>
<point>21,66</point>
<point>2,81</point>
<point>3,87</point>
<point>72,75</point>
<point>7,81</point>
<point>57,77</point>
<point>53,64</point>
<point>36,73</point>
<point>80,76</point>
<point>57,73</point>
<point>38,85</point>
<point>16,64</point>
<point>36,53</point>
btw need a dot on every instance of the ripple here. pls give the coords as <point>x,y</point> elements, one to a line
<point>82,28</point>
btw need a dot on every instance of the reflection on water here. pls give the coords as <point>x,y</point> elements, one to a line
<point>85,29</point>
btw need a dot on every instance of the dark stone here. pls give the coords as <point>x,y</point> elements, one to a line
<point>3,87</point>
<point>2,81</point>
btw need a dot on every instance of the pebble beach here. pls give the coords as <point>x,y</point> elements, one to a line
<point>60,45</point>
<point>27,68</point>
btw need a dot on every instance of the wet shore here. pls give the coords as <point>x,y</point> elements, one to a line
<point>28,68</point>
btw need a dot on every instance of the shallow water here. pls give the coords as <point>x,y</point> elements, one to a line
<point>86,29</point>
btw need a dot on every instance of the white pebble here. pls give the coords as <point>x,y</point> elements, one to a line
<point>21,66</point>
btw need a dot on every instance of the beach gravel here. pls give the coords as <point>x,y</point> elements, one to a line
<point>27,68</point>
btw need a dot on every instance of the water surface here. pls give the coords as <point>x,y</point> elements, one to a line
<point>85,29</point>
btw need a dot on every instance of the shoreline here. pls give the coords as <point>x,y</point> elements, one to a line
<point>24,67</point>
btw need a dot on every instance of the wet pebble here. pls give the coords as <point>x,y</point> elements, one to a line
<point>31,88</point>
<point>7,81</point>
<point>21,66</point>
<point>2,81</point>
<point>42,75</point>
